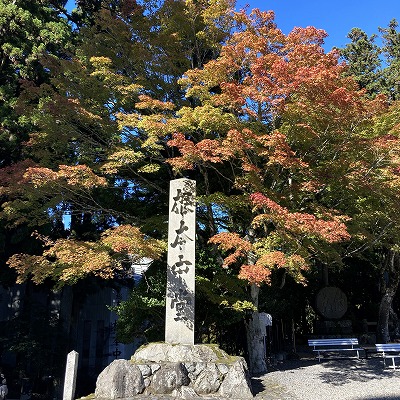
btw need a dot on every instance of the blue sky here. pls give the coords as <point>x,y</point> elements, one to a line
<point>336,17</point>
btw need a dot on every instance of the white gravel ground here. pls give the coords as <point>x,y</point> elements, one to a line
<point>336,379</point>
<point>331,379</point>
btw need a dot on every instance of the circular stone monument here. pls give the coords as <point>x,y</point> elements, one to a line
<point>331,302</point>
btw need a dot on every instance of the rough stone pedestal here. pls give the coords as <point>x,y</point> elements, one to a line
<point>183,371</point>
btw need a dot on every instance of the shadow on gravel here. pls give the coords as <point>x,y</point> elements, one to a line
<point>258,381</point>
<point>372,366</point>
<point>335,371</point>
<point>264,388</point>
<point>340,372</point>
<point>332,374</point>
<point>291,364</point>
<point>257,385</point>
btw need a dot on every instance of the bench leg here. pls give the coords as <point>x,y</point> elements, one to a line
<point>394,365</point>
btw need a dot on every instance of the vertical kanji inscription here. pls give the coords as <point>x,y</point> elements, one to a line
<point>179,323</point>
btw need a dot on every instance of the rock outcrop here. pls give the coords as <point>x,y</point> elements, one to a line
<point>182,371</point>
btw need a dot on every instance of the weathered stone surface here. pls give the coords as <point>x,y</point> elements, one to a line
<point>189,377</point>
<point>236,383</point>
<point>208,380</point>
<point>185,393</point>
<point>179,310</point>
<point>147,382</point>
<point>190,367</point>
<point>155,367</point>
<point>120,379</point>
<point>223,368</point>
<point>331,302</point>
<point>145,370</point>
<point>70,375</point>
<point>169,377</point>
<point>162,352</point>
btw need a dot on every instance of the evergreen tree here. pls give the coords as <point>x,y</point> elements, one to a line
<point>391,51</point>
<point>362,56</point>
<point>29,29</point>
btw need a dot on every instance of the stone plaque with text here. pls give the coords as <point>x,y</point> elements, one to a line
<point>179,322</point>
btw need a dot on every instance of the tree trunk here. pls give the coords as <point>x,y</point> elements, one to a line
<point>382,334</point>
<point>390,282</point>
<point>396,324</point>
<point>255,339</point>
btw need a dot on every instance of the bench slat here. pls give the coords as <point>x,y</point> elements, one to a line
<point>329,345</point>
<point>390,348</point>
<point>328,342</point>
<point>341,349</point>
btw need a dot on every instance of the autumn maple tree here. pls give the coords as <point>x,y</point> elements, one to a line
<point>292,158</point>
<point>282,126</point>
<point>275,123</point>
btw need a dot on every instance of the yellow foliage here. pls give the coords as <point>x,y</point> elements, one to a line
<point>75,175</point>
<point>129,239</point>
<point>149,168</point>
<point>121,158</point>
<point>101,62</point>
<point>67,260</point>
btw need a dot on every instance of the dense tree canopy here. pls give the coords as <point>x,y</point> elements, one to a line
<point>295,153</point>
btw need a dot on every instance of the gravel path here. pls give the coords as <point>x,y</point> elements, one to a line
<point>339,379</point>
<point>331,379</point>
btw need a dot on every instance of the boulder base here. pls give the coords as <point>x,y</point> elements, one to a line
<point>120,379</point>
<point>178,370</point>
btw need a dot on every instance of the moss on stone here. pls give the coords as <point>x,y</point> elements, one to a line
<point>90,396</point>
<point>222,355</point>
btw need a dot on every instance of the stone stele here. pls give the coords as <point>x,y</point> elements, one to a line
<point>179,321</point>
<point>180,371</point>
<point>331,302</point>
<point>70,375</point>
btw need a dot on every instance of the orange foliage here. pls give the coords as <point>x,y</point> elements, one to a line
<point>66,261</point>
<point>262,79</point>
<point>264,75</point>
<point>81,259</point>
<point>232,241</point>
<point>146,102</point>
<point>332,230</point>
<point>260,272</point>
<point>206,150</point>
<point>40,176</point>
<point>38,268</point>
<point>273,259</point>
<point>297,224</point>
<point>255,274</point>
<point>276,147</point>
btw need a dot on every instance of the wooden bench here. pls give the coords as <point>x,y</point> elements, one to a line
<point>389,350</point>
<point>334,345</point>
